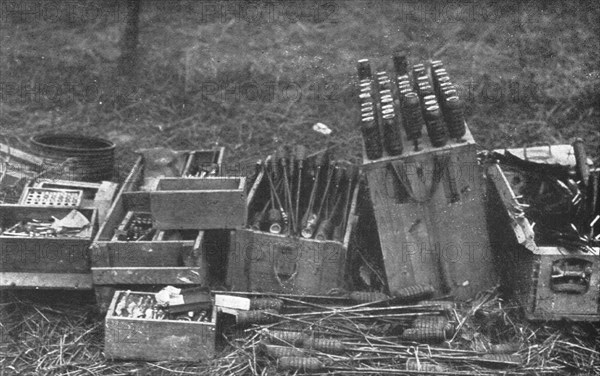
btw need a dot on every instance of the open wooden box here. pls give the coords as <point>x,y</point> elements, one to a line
<point>199,203</point>
<point>550,282</point>
<point>155,339</point>
<point>45,262</point>
<point>266,262</point>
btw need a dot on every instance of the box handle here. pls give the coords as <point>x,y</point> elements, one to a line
<point>571,276</point>
<point>285,265</point>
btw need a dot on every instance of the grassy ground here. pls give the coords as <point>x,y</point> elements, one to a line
<point>218,73</point>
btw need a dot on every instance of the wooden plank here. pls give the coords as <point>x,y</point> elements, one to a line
<point>233,302</point>
<point>203,210</point>
<point>22,156</point>
<point>46,280</point>
<point>150,276</point>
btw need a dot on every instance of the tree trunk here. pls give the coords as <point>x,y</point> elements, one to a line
<point>128,60</point>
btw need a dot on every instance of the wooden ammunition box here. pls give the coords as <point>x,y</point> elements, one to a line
<point>550,282</point>
<point>157,340</point>
<point>199,203</point>
<point>265,262</point>
<point>45,262</point>
<point>430,212</point>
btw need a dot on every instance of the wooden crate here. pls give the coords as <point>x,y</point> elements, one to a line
<point>61,262</point>
<point>157,340</point>
<point>440,236</point>
<point>527,269</point>
<point>265,262</point>
<point>149,262</point>
<point>188,203</point>
<point>199,203</point>
<point>95,195</point>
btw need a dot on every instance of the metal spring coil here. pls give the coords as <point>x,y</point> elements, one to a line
<point>427,334</point>
<point>414,292</point>
<point>262,316</point>
<point>391,134</point>
<point>455,118</point>
<point>306,364</point>
<point>282,351</point>
<point>285,336</point>
<point>438,134</point>
<point>266,303</point>
<point>372,137</point>
<point>413,117</point>
<point>328,345</point>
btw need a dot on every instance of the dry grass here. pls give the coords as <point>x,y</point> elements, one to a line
<point>528,71</point>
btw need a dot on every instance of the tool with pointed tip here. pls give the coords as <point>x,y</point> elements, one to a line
<point>325,193</point>
<point>274,195</point>
<point>300,155</point>
<point>283,157</point>
<point>259,218</point>
<point>309,220</point>
<point>326,227</point>
<point>340,229</point>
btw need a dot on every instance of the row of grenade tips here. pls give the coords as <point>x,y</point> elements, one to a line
<point>145,306</point>
<point>426,97</point>
<point>306,197</point>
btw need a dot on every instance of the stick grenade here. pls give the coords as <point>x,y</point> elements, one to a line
<point>283,155</point>
<point>353,176</point>
<point>309,220</point>
<point>330,172</point>
<point>282,214</point>
<point>300,153</point>
<point>260,216</point>
<point>326,227</point>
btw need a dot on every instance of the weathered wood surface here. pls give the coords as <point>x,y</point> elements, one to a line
<point>156,340</point>
<point>151,276</point>
<point>44,255</point>
<point>439,236</point>
<point>46,280</point>
<point>265,262</point>
<point>188,208</point>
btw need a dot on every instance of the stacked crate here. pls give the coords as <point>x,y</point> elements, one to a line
<point>189,211</point>
<point>427,192</point>
<point>46,262</point>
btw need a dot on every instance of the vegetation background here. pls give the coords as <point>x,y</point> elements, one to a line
<point>247,75</point>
